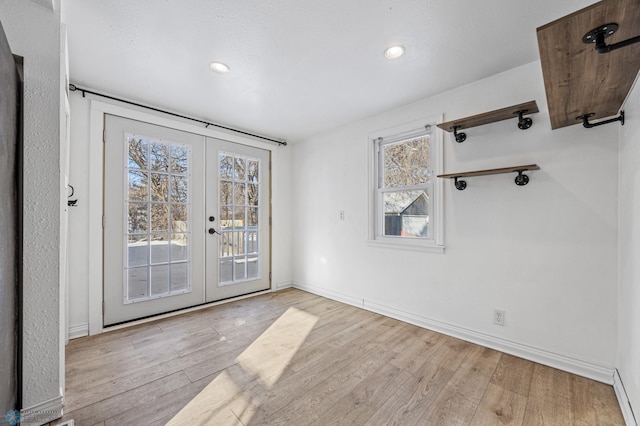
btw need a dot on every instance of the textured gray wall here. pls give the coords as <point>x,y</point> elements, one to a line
<point>8,216</point>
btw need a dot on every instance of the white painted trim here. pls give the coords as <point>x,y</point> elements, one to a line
<point>601,373</point>
<point>96,151</point>
<point>623,400</point>
<point>330,294</point>
<point>283,285</point>
<point>43,412</point>
<point>78,330</point>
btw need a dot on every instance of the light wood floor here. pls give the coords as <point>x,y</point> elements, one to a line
<point>295,358</point>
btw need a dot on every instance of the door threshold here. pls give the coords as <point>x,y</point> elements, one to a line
<point>182,311</point>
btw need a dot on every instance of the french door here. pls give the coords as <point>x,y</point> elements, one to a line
<point>185,220</point>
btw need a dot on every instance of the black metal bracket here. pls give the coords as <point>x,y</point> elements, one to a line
<point>523,122</point>
<point>597,36</point>
<point>71,203</point>
<point>460,137</point>
<point>586,124</point>
<point>521,179</point>
<point>460,184</point>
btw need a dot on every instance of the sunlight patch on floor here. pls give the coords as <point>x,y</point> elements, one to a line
<point>264,360</point>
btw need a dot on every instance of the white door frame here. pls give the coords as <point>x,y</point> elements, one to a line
<point>96,173</point>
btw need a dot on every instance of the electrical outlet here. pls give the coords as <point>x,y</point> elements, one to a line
<point>341,214</point>
<point>498,316</point>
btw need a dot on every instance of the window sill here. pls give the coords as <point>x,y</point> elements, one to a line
<point>432,248</point>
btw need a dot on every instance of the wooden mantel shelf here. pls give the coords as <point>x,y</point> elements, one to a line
<point>577,79</point>
<point>520,179</point>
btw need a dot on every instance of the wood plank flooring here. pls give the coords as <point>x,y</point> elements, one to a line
<point>293,358</point>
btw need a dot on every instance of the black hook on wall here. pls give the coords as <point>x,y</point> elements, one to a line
<point>71,203</point>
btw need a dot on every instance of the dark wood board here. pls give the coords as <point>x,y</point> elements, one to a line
<point>490,117</point>
<point>577,79</point>
<point>513,169</point>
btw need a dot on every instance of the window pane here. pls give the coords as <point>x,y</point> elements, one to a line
<point>159,248</point>
<point>179,189</point>
<point>179,218</point>
<point>253,171</point>
<point>138,218</point>
<point>179,247</point>
<point>226,166</point>
<point>226,219</point>
<point>179,159</point>
<point>252,242</point>
<point>240,168</point>
<point>239,194</point>
<point>159,157</point>
<point>226,193</point>
<point>252,217</point>
<point>138,153</point>
<point>239,265</point>
<point>406,213</point>
<point>252,194</point>
<point>406,163</point>
<point>137,283</point>
<point>159,187</point>
<point>226,271</point>
<point>138,185</point>
<point>159,217</point>
<point>137,250</point>
<point>253,270</point>
<point>159,279</point>
<point>179,276</point>
<point>238,219</point>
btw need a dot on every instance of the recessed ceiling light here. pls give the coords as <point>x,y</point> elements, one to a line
<point>220,67</point>
<point>394,52</point>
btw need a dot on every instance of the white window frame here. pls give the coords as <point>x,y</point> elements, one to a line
<point>376,237</point>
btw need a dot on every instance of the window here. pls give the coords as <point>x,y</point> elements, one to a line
<point>407,194</point>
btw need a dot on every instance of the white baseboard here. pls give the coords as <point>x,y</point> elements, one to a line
<point>601,373</point>
<point>283,285</point>
<point>78,330</point>
<point>623,400</point>
<point>42,413</point>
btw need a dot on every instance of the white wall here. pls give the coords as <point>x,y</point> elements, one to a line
<point>546,253</point>
<point>33,32</point>
<point>628,361</point>
<point>79,219</point>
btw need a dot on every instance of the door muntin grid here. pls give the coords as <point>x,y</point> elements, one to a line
<point>239,213</point>
<point>157,212</point>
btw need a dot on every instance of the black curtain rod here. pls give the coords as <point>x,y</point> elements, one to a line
<point>73,88</point>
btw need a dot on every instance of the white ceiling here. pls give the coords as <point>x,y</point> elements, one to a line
<point>298,67</point>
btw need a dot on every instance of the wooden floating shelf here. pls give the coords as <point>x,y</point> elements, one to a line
<point>579,81</point>
<point>520,180</point>
<point>515,111</point>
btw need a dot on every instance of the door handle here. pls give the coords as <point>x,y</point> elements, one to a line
<point>213,231</point>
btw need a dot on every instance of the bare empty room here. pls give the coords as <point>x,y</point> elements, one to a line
<point>367,212</point>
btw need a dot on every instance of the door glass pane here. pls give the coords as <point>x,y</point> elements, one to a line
<point>179,276</point>
<point>137,283</point>
<point>158,261</point>
<point>137,250</point>
<point>240,206</point>
<point>138,185</point>
<point>159,280</point>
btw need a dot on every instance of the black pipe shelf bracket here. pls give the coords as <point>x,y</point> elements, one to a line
<point>586,124</point>
<point>599,34</point>
<point>520,180</point>
<point>519,110</point>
